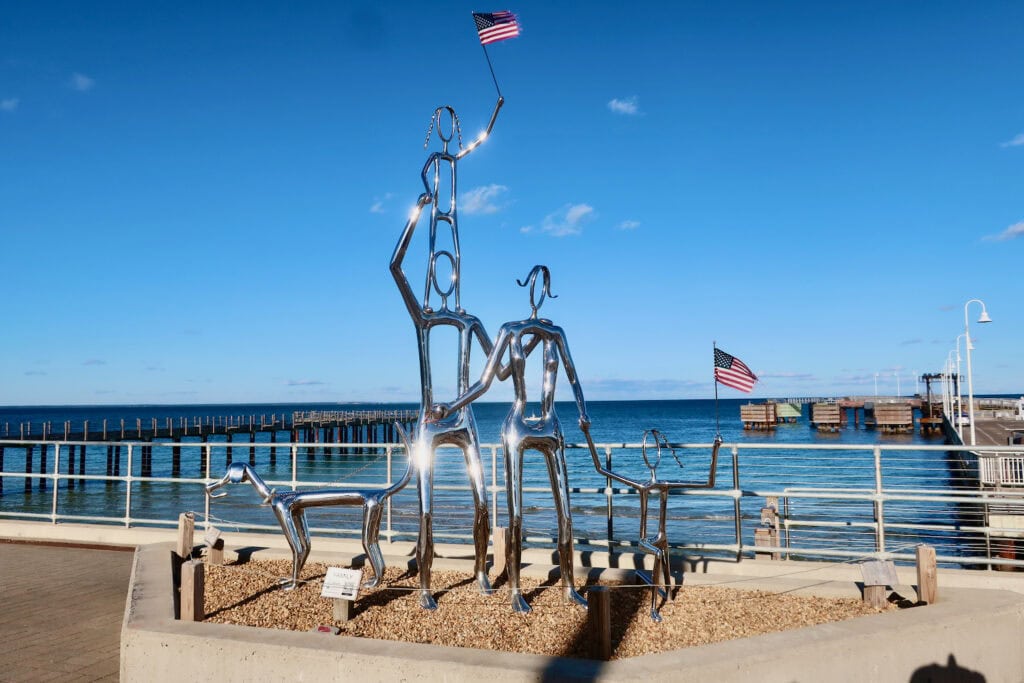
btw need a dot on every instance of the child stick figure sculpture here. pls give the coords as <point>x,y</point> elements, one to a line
<point>658,545</point>
<point>458,429</point>
<point>543,434</point>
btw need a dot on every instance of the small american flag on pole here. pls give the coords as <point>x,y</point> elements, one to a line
<point>732,372</point>
<point>495,26</point>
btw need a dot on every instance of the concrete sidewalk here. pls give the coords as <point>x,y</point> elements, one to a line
<point>62,611</point>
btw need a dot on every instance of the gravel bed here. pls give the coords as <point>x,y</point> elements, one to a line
<point>248,594</point>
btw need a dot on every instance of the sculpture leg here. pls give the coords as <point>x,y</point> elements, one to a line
<point>425,545</point>
<point>560,489</point>
<point>293,535</point>
<point>514,540</point>
<point>481,515</point>
<point>371,541</point>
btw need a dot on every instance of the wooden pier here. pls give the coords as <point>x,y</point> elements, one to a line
<point>324,429</point>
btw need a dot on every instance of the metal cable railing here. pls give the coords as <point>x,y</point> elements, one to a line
<point>831,501</point>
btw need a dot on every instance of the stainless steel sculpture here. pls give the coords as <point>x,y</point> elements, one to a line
<point>290,509</point>
<point>458,429</point>
<point>657,545</point>
<point>520,433</point>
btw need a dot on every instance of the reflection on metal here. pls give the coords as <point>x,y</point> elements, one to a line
<point>290,509</point>
<point>520,433</point>
<point>661,578</point>
<point>459,429</point>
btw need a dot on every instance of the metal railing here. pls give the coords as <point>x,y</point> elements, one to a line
<point>833,501</point>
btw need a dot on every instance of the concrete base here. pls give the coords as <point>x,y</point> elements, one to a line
<point>968,630</point>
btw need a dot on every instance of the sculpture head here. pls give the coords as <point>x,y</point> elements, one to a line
<point>531,281</point>
<point>240,473</point>
<point>453,280</point>
<point>447,123</point>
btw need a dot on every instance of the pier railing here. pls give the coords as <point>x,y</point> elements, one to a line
<point>824,501</point>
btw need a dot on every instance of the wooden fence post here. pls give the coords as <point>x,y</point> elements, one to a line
<point>599,614</point>
<point>927,575</point>
<point>192,591</point>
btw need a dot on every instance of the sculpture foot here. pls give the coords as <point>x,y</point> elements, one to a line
<point>655,617</point>
<point>519,604</point>
<point>372,583</point>
<point>484,583</point>
<point>572,597</point>
<point>427,600</point>
<point>287,584</point>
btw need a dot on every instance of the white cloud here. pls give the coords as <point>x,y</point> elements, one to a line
<point>629,225</point>
<point>9,104</point>
<point>568,220</point>
<point>627,106</point>
<point>81,82</point>
<point>1014,231</point>
<point>378,203</point>
<point>1018,141</point>
<point>303,382</point>
<point>481,200</point>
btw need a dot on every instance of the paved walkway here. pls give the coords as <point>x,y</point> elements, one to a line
<point>60,612</point>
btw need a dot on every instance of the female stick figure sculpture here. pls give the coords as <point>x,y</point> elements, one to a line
<point>519,433</point>
<point>658,545</point>
<point>458,429</point>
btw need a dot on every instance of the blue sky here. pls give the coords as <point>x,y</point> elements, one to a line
<point>198,202</point>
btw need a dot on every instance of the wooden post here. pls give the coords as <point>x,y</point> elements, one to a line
<point>192,591</point>
<point>186,528</point>
<point>599,614</point>
<point>71,466</point>
<point>217,552</point>
<point>342,609</point>
<point>176,458</point>
<point>81,464</point>
<point>498,540</point>
<point>927,576</point>
<point>42,466</point>
<point>28,468</point>
<point>1,468</point>
<point>273,449</point>
<point>252,449</point>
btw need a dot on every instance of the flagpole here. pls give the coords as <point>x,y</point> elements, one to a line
<point>491,67</point>
<point>718,428</point>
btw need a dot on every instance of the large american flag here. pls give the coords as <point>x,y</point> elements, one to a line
<point>495,26</point>
<point>732,372</point>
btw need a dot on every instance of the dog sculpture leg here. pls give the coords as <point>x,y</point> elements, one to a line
<point>372,510</point>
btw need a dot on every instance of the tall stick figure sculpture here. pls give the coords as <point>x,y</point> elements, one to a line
<point>458,429</point>
<point>543,434</point>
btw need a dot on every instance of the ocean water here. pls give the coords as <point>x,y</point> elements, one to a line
<point>695,520</point>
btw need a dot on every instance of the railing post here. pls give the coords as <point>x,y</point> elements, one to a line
<point>128,484</point>
<point>388,485</point>
<point>737,508</point>
<point>879,511</point>
<point>610,510</point>
<point>206,448</point>
<point>56,479</point>
<point>295,467</point>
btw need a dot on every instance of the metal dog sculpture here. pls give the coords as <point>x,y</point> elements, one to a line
<point>290,509</point>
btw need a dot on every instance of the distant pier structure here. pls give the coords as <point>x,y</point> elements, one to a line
<point>889,414</point>
<point>326,429</point>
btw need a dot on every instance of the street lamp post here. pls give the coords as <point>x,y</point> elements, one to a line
<point>897,375</point>
<point>876,385</point>
<point>959,394</point>
<point>967,340</point>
